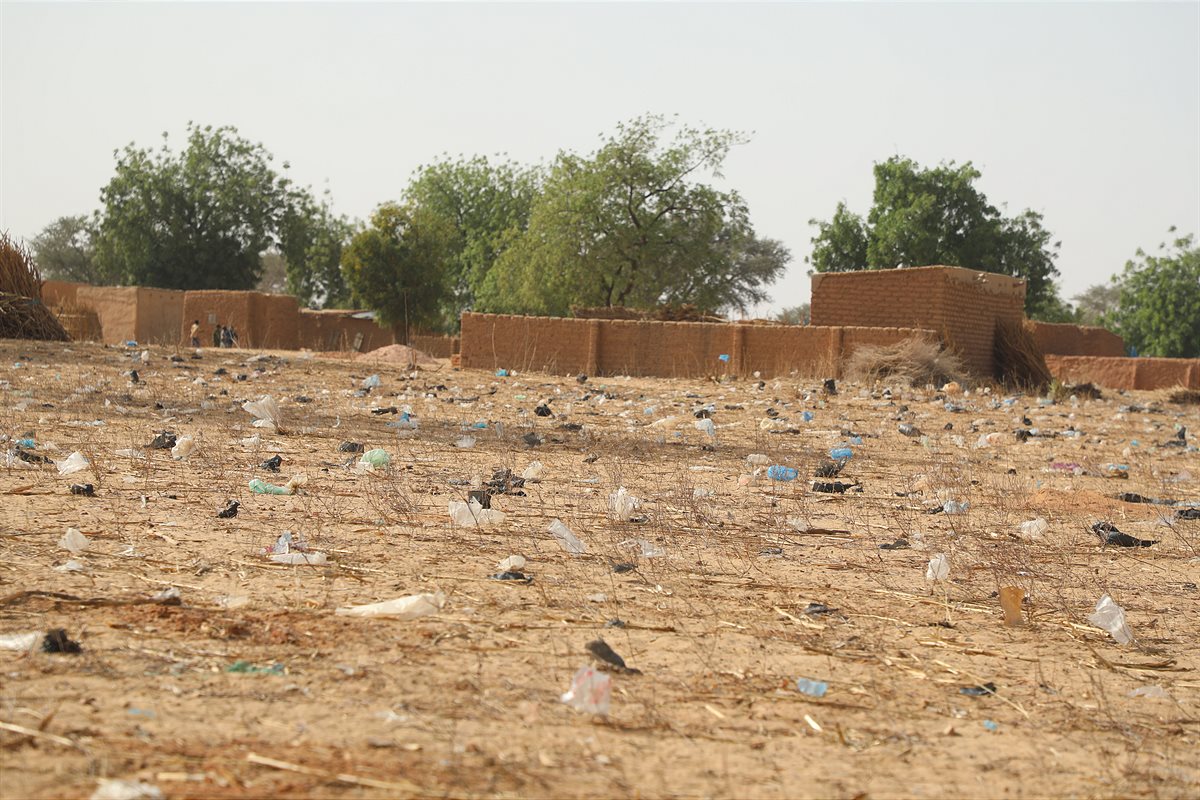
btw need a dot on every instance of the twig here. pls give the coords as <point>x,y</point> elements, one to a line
<point>397,786</point>
<point>36,734</point>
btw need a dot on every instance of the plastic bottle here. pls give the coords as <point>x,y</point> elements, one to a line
<point>811,688</point>
<point>778,472</point>
<point>841,454</point>
<point>566,538</point>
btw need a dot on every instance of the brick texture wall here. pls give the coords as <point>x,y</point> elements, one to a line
<point>1126,373</point>
<point>1076,340</point>
<point>666,349</point>
<point>963,306</point>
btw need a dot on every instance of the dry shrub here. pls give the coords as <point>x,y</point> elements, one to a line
<point>914,361</point>
<point>22,315</point>
<point>1019,361</point>
<point>1185,397</point>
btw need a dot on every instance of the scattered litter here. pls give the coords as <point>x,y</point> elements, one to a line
<point>183,448</point>
<point>258,486</point>
<point>601,651</point>
<point>1111,617</point>
<point>811,688</point>
<point>1034,529</point>
<point>778,472</point>
<point>242,667</point>
<point>817,609</point>
<point>273,463</point>
<point>72,464</point>
<point>841,454</point>
<point>622,504</point>
<point>311,559</point>
<point>1151,691</point>
<point>163,441</point>
<point>472,514</point>
<point>533,472</point>
<point>351,447</point>
<point>647,548</point>
<point>955,507</point>
<point>939,568</point>
<point>991,725</point>
<point>265,411</point>
<point>74,541</point>
<point>910,430</point>
<point>1011,598</point>
<point>371,382</point>
<point>57,641</point>
<point>84,489</point>
<point>110,789</point>
<point>566,538</point>
<point>979,691</point>
<point>373,460</point>
<point>835,487</point>
<point>413,606</point>
<point>590,691</point>
<point>20,641</point>
<point>899,544</point>
<point>230,511</point>
<point>1109,534</point>
<point>465,442</point>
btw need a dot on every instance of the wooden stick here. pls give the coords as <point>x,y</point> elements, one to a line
<point>404,786</point>
<point>36,734</point>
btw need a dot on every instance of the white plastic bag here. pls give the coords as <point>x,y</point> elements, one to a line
<point>266,412</point>
<point>20,641</point>
<point>72,464</point>
<point>1111,617</point>
<point>471,514</point>
<point>512,564</point>
<point>414,606</point>
<point>74,541</point>
<point>938,569</point>
<point>590,691</point>
<point>126,790</point>
<point>566,538</point>
<point>533,471</point>
<point>183,448</point>
<point>1034,529</point>
<point>314,559</point>
<point>621,504</point>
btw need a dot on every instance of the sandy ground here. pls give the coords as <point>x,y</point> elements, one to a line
<point>250,685</point>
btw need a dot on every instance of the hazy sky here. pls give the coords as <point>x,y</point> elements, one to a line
<point>1088,113</point>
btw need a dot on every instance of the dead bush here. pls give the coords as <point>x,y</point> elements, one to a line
<point>914,361</point>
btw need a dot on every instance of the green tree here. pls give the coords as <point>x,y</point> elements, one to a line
<point>923,217</point>
<point>312,238</point>
<point>198,219</point>
<point>1158,313</point>
<point>1097,302</point>
<point>65,251</point>
<point>795,315</point>
<point>629,225</point>
<point>483,204</point>
<point>394,266</point>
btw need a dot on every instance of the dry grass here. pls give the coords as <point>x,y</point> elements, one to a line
<point>1020,363</point>
<point>912,362</point>
<point>22,315</point>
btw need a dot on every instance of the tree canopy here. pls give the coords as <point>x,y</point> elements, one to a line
<point>64,250</point>
<point>630,225</point>
<point>481,204</point>
<point>1158,311</point>
<point>394,266</point>
<point>311,240</point>
<point>923,216</point>
<point>197,219</point>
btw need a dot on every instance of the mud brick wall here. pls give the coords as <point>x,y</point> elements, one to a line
<point>57,293</point>
<point>1076,340</point>
<point>159,316</point>
<point>115,307</point>
<point>340,330</point>
<point>664,349</point>
<point>1126,373</point>
<point>433,345</point>
<point>963,306</point>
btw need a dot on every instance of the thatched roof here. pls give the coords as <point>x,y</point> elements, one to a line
<point>22,314</point>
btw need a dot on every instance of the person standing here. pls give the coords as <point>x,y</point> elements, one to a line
<point>196,333</point>
<point>217,336</point>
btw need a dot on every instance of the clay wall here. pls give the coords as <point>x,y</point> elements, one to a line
<point>434,345</point>
<point>961,305</point>
<point>1126,373</point>
<point>115,308</point>
<point>59,293</point>
<point>215,307</point>
<point>1076,340</point>
<point>340,330</point>
<point>159,315</point>
<point>667,349</point>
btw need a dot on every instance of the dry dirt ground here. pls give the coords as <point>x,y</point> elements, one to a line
<point>250,685</point>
